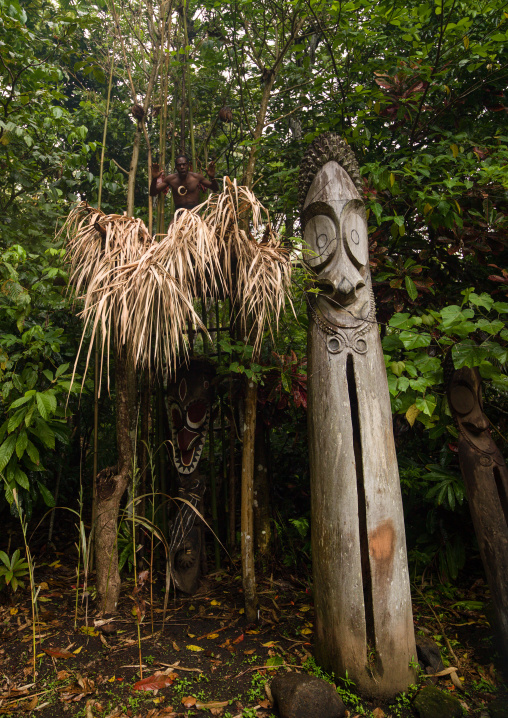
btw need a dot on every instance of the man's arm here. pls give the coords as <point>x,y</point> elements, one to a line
<point>212,182</point>
<point>159,181</point>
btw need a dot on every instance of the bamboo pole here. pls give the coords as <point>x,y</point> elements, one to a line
<point>189,86</point>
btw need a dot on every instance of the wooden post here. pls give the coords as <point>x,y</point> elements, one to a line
<point>247,515</point>
<point>364,619</point>
<point>486,478</point>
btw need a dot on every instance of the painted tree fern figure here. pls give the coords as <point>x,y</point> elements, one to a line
<point>486,478</point>
<point>363,604</point>
<point>189,399</point>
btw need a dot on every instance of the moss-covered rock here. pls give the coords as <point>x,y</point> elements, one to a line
<point>433,703</point>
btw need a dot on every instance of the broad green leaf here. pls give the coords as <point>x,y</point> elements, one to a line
<point>414,340</point>
<point>16,419</point>
<point>21,443</point>
<point>426,404</point>
<point>32,452</point>
<point>401,321</point>
<point>411,288</point>
<point>7,450</point>
<point>46,494</point>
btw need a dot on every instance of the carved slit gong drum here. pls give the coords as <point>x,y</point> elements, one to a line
<point>364,621</point>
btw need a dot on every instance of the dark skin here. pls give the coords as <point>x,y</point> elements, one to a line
<point>191,182</point>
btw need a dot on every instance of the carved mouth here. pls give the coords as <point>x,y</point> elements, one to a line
<point>188,434</point>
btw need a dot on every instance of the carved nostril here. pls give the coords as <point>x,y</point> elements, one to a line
<point>327,287</point>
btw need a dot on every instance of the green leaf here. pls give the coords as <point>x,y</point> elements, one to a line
<point>44,432</point>
<point>46,494</point>
<point>22,400</point>
<point>61,370</point>
<point>21,478</point>
<point>46,403</point>
<point>15,420</point>
<point>426,404</point>
<point>7,450</point>
<point>414,340</point>
<point>21,443</point>
<point>411,288</point>
<point>401,321</point>
<point>32,452</point>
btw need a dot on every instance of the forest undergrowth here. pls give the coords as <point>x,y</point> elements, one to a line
<point>202,657</point>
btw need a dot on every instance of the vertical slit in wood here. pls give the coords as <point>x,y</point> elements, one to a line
<point>362,506</point>
<point>501,492</point>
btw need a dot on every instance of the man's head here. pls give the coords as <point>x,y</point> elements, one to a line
<point>182,165</point>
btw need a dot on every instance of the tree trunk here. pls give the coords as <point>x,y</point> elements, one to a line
<point>247,523</point>
<point>111,484</point>
<point>258,131</point>
<point>262,523</point>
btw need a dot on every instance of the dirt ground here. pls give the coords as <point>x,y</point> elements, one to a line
<point>204,659</point>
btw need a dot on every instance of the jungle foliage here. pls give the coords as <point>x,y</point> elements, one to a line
<point>418,89</point>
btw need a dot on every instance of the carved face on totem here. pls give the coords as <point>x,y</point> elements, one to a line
<point>189,400</point>
<point>337,251</point>
<point>465,399</point>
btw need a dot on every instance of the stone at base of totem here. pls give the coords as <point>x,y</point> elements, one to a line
<point>433,703</point>
<point>298,695</point>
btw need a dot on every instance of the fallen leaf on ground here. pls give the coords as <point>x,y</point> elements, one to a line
<point>378,713</point>
<point>62,675</point>
<point>240,638</point>
<point>211,704</point>
<point>58,652</point>
<point>155,682</point>
<point>194,648</point>
<point>188,701</point>
<point>265,704</point>
<point>212,635</point>
<point>32,703</point>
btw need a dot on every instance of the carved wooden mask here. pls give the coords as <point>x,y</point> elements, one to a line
<point>465,399</point>
<point>337,252</point>
<point>189,401</point>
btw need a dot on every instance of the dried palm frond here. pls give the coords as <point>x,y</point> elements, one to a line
<point>101,262</point>
<point>140,292</point>
<point>256,268</point>
<point>89,250</point>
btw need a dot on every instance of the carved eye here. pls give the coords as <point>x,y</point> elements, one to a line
<point>176,417</point>
<point>353,224</point>
<point>462,399</point>
<point>321,240</point>
<point>196,414</point>
<point>182,390</point>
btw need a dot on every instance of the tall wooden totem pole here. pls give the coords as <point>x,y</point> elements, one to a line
<point>364,619</point>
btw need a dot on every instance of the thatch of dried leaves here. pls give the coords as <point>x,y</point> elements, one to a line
<point>140,291</point>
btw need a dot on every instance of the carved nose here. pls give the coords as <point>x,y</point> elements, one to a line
<point>346,290</point>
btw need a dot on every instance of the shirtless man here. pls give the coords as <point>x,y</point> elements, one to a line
<point>185,185</point>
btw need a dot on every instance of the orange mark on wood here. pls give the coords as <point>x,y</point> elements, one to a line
<point>382,546</point>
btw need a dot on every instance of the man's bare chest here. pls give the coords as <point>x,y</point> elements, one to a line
<point>190,183</point>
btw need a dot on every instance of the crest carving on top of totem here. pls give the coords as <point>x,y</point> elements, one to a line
<point>336,244</point>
